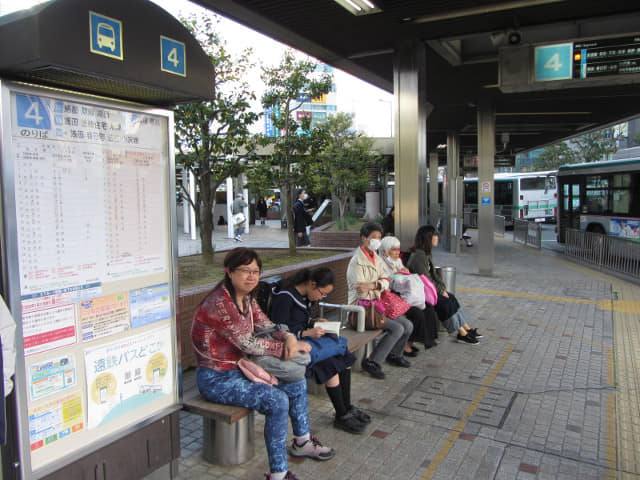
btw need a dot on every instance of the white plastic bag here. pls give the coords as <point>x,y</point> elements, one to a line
<point>410,288</point>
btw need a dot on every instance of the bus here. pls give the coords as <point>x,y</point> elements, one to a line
<point>526,196</point>
<point>600,197</point>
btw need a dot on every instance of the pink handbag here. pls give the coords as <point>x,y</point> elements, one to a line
<point>394,305</point>
<point>430,291</point>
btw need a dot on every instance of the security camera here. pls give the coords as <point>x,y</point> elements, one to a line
<point>514,37</point>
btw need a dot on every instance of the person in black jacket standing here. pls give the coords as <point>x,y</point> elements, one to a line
<point>301,218</point>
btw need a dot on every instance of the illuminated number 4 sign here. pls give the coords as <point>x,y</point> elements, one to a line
<point>172,56</point>
<point>553,62</point>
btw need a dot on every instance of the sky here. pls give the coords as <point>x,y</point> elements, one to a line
<point>370,105</point>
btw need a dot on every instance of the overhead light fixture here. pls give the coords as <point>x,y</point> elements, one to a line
<point>359,7</point>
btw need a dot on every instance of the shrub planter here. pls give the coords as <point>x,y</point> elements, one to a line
<point>320,237</point>
<point>190,298</point>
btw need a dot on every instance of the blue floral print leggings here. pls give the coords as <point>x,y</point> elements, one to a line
<point>231,387</point>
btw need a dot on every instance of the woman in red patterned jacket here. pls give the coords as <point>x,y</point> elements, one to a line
<point>226,328</point>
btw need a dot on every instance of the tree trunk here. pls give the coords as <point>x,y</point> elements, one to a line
<point>206,221</point>
<point>342,205</point>
<point>285,195</point>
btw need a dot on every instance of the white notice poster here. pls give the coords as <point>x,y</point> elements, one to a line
<point>88,183</point>
<point>125,375</point>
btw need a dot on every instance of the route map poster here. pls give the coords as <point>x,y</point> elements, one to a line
<point>88,186</point>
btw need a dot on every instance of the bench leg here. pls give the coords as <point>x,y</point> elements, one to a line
<point>228,444</point>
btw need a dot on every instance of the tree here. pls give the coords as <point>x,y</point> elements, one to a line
<point>212,137</point>
<point>554,156</point>
<point>595,146</point>
<point>288,86</point>
<point>344,160</point>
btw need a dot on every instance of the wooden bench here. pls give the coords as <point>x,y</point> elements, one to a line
<point>228,431</point>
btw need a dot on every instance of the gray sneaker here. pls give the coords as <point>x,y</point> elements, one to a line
<point>312,448</point>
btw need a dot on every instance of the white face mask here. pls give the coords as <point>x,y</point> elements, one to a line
<point>374,244</point>
<point>391,261</point>
<point>304,196</point>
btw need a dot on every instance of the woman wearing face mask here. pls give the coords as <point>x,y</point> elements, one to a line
<point>422,316</point>
<point>366,280</point>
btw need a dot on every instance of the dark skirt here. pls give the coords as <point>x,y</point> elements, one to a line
<point>322,371</point>
<point>425,329</point>
<point>446,307</point>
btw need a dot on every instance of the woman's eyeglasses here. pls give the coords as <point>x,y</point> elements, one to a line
<point>324,294</point>
<point>248,272</point>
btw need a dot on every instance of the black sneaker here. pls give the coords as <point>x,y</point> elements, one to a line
<point>474,333</point>
<point>360,415</point>
<point>467,339</point>
<point>372,368</point>
<point>349,423</point>
<point>398,361</point>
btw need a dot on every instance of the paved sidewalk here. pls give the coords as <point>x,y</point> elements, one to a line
<point>269,235</point>
<point>552,391</point>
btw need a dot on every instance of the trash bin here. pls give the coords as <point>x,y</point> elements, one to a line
<point>448,275</point>
<point>283,223</point>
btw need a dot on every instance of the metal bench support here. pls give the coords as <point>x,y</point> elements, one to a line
<point>228,443</point>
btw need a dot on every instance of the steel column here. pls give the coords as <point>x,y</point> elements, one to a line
<point>411,111</point>
<point>486,194</point>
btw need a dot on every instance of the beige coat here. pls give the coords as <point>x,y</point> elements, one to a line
<point>361,270</point>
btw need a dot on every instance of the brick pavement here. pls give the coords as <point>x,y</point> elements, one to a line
<point>552,391</point>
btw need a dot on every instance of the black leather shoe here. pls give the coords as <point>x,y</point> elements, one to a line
<point>398,361</point>
<point>372,368</point>
<point>412,353</point>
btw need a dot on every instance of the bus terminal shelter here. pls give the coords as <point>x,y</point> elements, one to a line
<point>489,79</point>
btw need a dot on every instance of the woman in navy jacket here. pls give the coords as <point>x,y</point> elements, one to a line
<point>291,305</point>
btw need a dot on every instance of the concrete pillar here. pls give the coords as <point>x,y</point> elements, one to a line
<point>411,111</point>
<point>451,202</point>
<point>434,203</point>
<point>486,194</point>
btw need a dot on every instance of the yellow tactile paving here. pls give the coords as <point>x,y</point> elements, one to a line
<point>625,306</point>
<point>626,330</point>
<point>623,407</point>
<point>457,430</point>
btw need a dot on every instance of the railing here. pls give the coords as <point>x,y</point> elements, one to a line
<point>528,233</point>
<point>470,219</point>
<point>610,253</point>
<point>499,225</point>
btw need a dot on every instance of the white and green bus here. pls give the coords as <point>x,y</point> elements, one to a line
<point>600,197</point>
<point>526,196</point>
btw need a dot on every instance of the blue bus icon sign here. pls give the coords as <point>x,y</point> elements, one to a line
<point>106,36</point>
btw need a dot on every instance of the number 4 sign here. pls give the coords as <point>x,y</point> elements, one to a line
<point>554,62</point>
<point>172,56</point>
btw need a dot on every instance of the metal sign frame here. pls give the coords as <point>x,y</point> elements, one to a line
<point>139,418</point>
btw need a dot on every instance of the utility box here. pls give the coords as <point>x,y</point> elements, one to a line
<point>88,240</point>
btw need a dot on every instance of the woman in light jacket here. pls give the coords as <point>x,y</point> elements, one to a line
<point>423,317</point>
<point>366,281</point>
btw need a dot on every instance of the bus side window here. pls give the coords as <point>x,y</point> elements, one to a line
<point>622,194</point>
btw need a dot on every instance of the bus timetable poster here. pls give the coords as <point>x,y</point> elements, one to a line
<point>91,182</point>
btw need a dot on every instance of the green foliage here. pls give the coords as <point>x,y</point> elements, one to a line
<point>591,147</point>
<point>287,84</point>
<point>212,137</point>
<point>595,146</point>
<point>344,160</point>
<point>554,156</point>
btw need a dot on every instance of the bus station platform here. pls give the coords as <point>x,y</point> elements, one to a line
<point>552,391</point>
